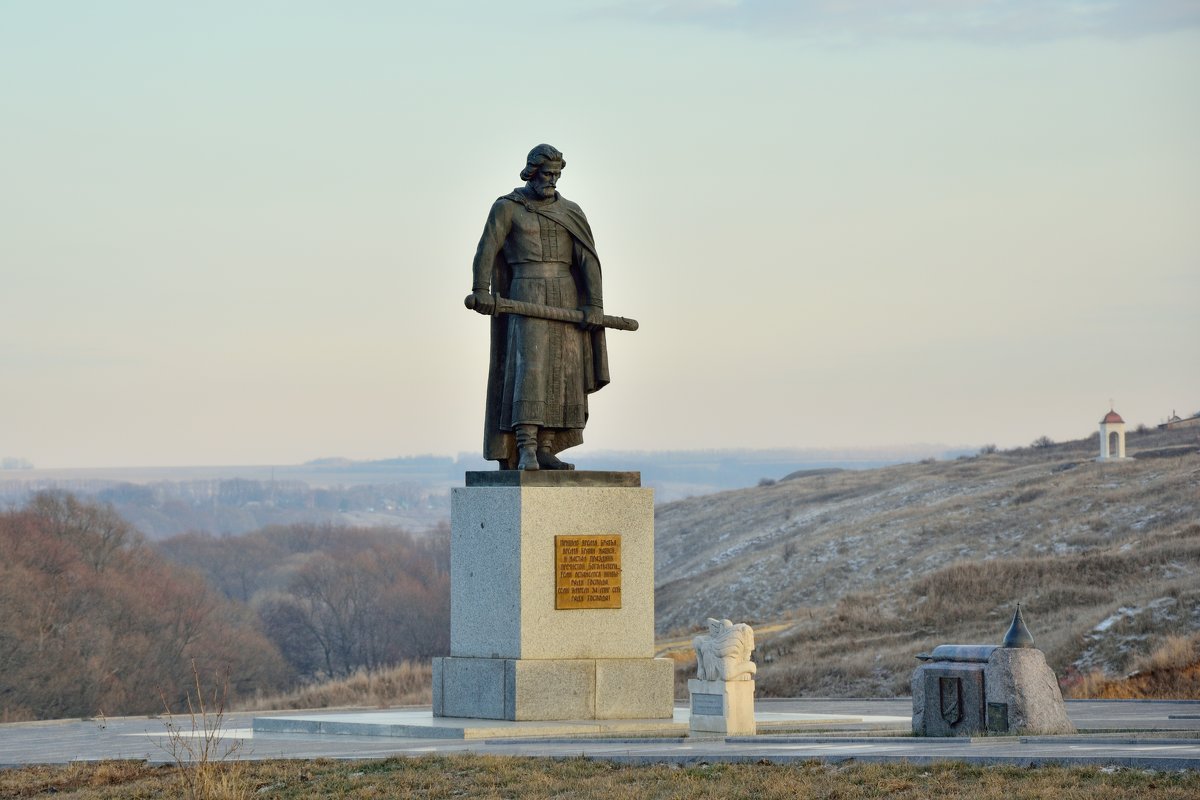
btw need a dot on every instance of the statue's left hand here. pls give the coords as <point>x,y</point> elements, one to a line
<point>593,318</point>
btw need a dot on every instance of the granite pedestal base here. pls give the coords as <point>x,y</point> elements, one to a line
<point>515,652</point>
<point>553,689</point>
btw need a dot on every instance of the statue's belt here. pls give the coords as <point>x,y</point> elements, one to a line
<point>540,269</point>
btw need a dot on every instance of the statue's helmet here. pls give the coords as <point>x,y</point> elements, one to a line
<point>542,154</point>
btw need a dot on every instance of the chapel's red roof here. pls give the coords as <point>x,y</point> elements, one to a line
<point>1112,416</point>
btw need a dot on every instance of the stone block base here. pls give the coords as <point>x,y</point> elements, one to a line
<point>722,707</point>
<point>948,699</point>
<point>553,689</point>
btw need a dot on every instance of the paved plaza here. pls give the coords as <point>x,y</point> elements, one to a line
<point>1145,734</point>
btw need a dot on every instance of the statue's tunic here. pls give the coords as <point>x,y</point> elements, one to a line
<point>539,251</point>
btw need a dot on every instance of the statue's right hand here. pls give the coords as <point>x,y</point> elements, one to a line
<point>483,302</point>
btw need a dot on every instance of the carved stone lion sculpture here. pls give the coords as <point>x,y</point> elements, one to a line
<point>724,653</point>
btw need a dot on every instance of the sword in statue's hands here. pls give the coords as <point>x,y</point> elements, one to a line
<point>505,306</point>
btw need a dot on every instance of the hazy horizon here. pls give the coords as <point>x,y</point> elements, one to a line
<point>241,233</point>
<point>816,453</point>
<point>865,453</point>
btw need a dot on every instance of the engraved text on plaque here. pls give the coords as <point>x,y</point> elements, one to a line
<point>587,571</point>
<point>708,705</point>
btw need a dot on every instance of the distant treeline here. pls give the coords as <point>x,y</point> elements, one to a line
<point>409,492</point>
<point>239,505</point>
<point>333,599</point>
<point>94,620</point>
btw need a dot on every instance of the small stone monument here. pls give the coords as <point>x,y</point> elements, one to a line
<point>964,690</point>
<point>1022,691</point>
<point>722,693</point>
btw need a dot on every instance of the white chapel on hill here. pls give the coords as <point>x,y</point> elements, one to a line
<point>1112,436</point>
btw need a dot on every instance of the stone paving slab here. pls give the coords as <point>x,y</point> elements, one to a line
<point>423,725</point>
<point>145,738</point>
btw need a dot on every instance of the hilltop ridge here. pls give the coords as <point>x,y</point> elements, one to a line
<point>869,567</point>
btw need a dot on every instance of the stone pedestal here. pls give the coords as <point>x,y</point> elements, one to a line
<point>1000,690</point>
<point>1023,694</point>
<point>722,707</point>
<point>518,651</point>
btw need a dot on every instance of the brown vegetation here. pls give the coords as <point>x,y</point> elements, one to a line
<point>334,600</point>
<point>405,684</point>
<point>1171,671</point>
<point>93,621</point>
<point>505,777</point>
<point>864,644</point>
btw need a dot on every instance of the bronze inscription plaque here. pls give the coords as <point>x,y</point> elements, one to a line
<point>587,571</point>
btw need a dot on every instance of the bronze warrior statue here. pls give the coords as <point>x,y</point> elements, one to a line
<point>537,251</point>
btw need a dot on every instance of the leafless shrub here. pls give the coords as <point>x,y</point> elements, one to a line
<point>789,550</point>
<point>1028,496</point>
<point>1042,442</point>
<point>206,763</point>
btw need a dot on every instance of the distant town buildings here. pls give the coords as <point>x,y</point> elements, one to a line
<point>15,463</point>
<point>1175,421</point>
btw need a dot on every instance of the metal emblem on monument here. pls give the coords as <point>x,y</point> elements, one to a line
<point>950,690</point>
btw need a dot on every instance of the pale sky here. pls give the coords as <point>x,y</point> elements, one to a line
<point>241,232</point>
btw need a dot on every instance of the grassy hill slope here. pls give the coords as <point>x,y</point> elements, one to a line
<point>867,568</point>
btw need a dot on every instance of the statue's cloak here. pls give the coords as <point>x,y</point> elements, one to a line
<point>500,445</point>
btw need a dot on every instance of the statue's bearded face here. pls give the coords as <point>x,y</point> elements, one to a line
<point>546,179</point>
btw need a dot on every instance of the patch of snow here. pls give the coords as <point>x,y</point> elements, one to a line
<point>1176,569</point>
<point>1122,612</point>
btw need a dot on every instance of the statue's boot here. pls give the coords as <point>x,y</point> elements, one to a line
<point>527,442</point>
<point>545,453</point>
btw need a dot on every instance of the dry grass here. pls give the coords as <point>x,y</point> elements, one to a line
<point>761,552</point>
<point>1171,671</point>
<point>494,777</point>
<point>408,683</point>
<point>103,779</point>
<point>1177,652</point>
<point>864,644</point>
